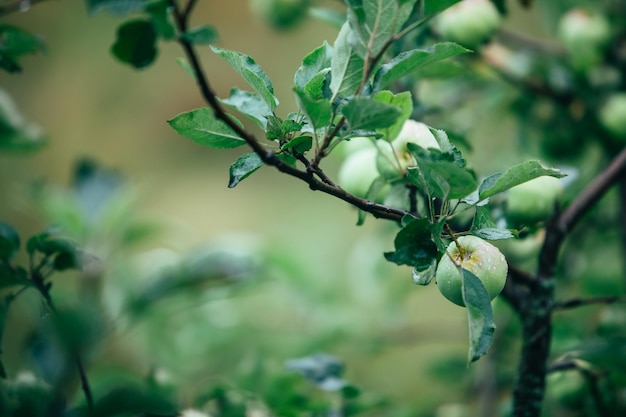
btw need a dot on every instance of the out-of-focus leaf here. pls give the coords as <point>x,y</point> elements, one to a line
<point>434,6</point>
<point>15,42</point>
<point>410,61</point>
<point>16,133</point>
<point>414,246</point>
<point>9,241</point>
<point>11,277</point>
<point>518,174</point>
<point>117,7</point>
<point>251,72</point>
<point>201,126</point>
<point>323,370</point>
<point>243,167</point>
<point>479,314</point>
<point>133,400</point>
<point>333,17</point>
<point>136,43</point>
<point>159,13</point>
<point>201,35</point>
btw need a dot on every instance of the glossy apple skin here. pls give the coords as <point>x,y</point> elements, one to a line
<point>480,258</point>
<point>469,22</point>
<point>584,35</point>
<point>612,115</point>
<point>358,171</point>
<point>533,201</point>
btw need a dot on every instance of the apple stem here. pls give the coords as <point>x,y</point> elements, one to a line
<point>456,242</point>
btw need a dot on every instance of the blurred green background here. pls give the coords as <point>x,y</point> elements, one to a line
<point>337,295</point>
<point>289,275</point>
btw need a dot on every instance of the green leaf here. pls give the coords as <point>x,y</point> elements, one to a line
<point>485,228</point>
<point>312,64</point>
<point>375,22</point>
<point>15,42</point>
<point>118,7</point>
<point>402,100</point>
<point>440,174</point>
<point>9,241</point>
<point>516,175</point>
<point>333,17</point>
<point>414,246</point>
<point>159,16</point>
<point>249,104</point>
<point>479,315</point>
<point>133,400</point>
<point>201,35</point>
<point>201,126</point>
<point>243,167</point>
<point>136,43</point>
<point>346,67</point>
<point>319,86</point>
<point>410,61</point>
<point>368,113</point>
<point>300,144</point>
<point>434,6</point>
<point>251,72</point>
<point>11,277</point>
<point>318,112</point>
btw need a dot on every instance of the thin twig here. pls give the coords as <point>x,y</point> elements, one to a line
<point>580,302</point>
<point>591,375</point>
<point>267,156</point>
<point>44,289</point>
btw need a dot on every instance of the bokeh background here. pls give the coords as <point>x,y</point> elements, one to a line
<point>316,282</point>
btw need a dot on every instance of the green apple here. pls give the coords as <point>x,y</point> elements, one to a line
<point>479,257</point>
<point>358,171</point>
<point>533,201</point>
<point>469,22</point>
<point>394,157</point>
<point>280,14</point>
<point>584,34</point>
<point>612,115</point>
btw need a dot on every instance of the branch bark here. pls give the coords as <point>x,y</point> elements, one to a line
<point>267,156</point>
<point>536,309</point>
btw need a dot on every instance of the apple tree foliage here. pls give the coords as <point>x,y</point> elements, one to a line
<point>358,87</point>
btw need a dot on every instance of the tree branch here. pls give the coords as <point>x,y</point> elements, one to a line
<point>580,302</point>
<point>267,156</point>
<point>536,309</point>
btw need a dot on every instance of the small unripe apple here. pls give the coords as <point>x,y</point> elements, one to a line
<point>479,257</point>
<point>358,171</point>
<point>469,22</point>
<point>533,201</point>
<point>280,14</point>
<point>584,34</point>
<point>393,167</point>
<point>613,115</point>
